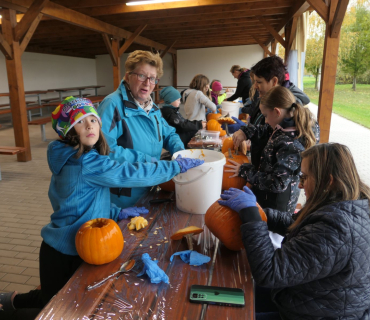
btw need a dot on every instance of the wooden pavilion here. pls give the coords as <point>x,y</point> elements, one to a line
<point>86,28</point>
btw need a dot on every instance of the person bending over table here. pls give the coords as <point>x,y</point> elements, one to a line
<point>322,270</point>
<point>244,83</point>
<point>133,125</point>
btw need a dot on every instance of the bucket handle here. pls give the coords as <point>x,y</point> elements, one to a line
<point>196,179</point>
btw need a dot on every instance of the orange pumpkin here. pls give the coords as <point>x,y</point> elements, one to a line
<point>99,241</point>
<point>225,224</point>
<point>236,182</point>
<point>168,186</point>
<point>213,116</point>
<point>227,144</point>
<point>213,125</point>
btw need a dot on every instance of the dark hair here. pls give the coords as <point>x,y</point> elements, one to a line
<point>270,67</point>
<point>199,82</point>
<point>325,161</point>
<point>73,139</point>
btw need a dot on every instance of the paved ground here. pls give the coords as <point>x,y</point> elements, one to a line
<point>25,207</point>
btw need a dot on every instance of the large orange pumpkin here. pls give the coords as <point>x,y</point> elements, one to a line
<point>236,182</point>
<point>225,224</point>
<point>99,241</point>
<point>168,186</point>
<point>213,116</point>
<point>227,144</point>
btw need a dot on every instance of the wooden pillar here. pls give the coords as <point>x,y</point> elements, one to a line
<point>16,86</point>
<point>117,66</point>
<point>328,75</point>
<point>273,46</point>
<point>174,75</point>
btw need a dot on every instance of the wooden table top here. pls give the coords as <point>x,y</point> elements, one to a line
<point>6,94</point>
<point>132,297</point>
<point>75,88</point>
<point>93,99</point>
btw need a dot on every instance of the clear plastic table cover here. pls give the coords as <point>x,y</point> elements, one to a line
<point>130,297</point>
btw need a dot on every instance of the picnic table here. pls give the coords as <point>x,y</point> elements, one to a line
<point>93,99</point>
<point>79,89</point>
<point>132,297</point>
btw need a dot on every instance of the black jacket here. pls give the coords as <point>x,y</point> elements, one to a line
<point>275,181</point>
<point>186,129</point>
<point>242,88</point>
<point>322,270</point>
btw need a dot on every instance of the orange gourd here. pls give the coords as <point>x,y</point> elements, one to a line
<point>99,241</point>
<point>213,116</point>
<point>236,182</point>
<point>225,224</point>
<point>213,125</point>
<point>168,186</point>
<point>227,144</point>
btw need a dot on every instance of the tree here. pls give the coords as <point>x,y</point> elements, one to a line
<point>355,51</point>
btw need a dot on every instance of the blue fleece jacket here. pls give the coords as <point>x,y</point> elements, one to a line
<point>134,135</point>
<point>79,189</point>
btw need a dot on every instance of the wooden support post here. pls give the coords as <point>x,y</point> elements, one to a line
<point>16,86</point>
<point>174,61</point>
<point>167,49</point>
<point>290,32</point>
<point>130,40</point>
<point>265,49</point>
<point>117,67</point>
<point>273,46</point>
<point>328,75</point>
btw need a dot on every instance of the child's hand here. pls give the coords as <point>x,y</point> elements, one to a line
<point>234,168</point>
<point>204,124</point>
<point>227,90</point>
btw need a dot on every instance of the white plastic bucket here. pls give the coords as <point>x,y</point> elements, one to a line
<point>231,108</point>
<point>198,188</point>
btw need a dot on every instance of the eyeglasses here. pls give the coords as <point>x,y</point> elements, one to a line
<point>302,178</point>
<point>142,77</point>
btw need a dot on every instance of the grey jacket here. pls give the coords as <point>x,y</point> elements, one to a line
<point>195,104</point>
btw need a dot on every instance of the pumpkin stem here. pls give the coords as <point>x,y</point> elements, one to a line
<point>227,129</point>
<point>189,240</point>
<point>230,154</point>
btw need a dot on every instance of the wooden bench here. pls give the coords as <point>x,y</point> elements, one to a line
<point>93,99</point>
<point>41,122</point>
<point>29,109</point>
<point>11,151</point>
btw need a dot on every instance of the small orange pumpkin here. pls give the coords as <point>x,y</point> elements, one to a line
<point>227,144</point>
<point>168,186</point>
<point>236,182</point>
<point>213,116</point>
<point>99,241</point>
<point>213,125</point>
<point>225,224</point>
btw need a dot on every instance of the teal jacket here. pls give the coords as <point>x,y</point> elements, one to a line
<point>79,189</point>
<point>133,135</point>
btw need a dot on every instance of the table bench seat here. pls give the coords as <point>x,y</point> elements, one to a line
<point>10,151</point>
<point>93,99</point>
<point>41,122</point>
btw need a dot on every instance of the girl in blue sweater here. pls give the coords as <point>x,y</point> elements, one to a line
<point>82,174</point>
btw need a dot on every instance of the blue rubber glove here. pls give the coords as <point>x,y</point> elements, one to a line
<point>238,199</point>
<point>155,273</point>
<point>132,212</point>
<point>234,127</point>
<point>153,159</point>
<point>187,163</point>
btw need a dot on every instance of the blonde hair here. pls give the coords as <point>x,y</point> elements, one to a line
<point>335,177</point>
<point>281,97</point>
<point>199,82</point>
<point>252,90</point>
<point>237,68</point>
<point>138,57</point>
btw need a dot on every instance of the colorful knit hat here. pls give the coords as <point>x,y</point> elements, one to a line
<point>69,112</point>
<point>216,86</point>
<point>169,95</point>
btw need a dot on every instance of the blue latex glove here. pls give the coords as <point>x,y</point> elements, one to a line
<point>238,199</point>
<point>192,257</point>
<point>234,127</point>
<point>155,273</point>
<point>132,212</point>
<point>153,159</point>
<point>187,163</point>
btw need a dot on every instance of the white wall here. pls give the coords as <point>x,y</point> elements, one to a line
<point>215,63</point>
<point>45,71</point>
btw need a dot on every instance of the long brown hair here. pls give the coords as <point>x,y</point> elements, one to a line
<point>252,90</point>
<point>331,162</point>
<point>73,140</point>
<point>281,97</point>
<point>199,82</point>
<point>237,68</point>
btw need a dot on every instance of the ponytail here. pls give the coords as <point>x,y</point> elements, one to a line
<point>304,122</point>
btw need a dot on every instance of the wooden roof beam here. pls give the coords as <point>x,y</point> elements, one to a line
<point>292,34</point>
<point>111,52</point>
<point>265,49</point>
<point>130,40</point>
<point>30,16</point>
<point>76,18</point>
<point>273,32</point>
<point>30,32</point>
<point>321,8</point>
<point>168,48</point>
<point>338,18</point>
<point>5,48</point>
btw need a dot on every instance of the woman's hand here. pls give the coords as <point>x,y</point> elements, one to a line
<point>204,124</point>
<point>238,137</point>
<point>234,168</point>
<point>237,199</point>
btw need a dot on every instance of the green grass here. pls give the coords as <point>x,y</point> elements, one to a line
<point>353,105</point>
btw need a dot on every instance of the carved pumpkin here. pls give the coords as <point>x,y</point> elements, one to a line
<point>213,125</point>
<point>99,241</point>
<point>213,116</point>
<point>236,182</point>
<point>225,224</point>
<point>227,144</point>
<point>168,186</point>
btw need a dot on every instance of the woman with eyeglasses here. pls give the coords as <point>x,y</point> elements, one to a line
<point>322,270</point>
<point>133,125</point>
